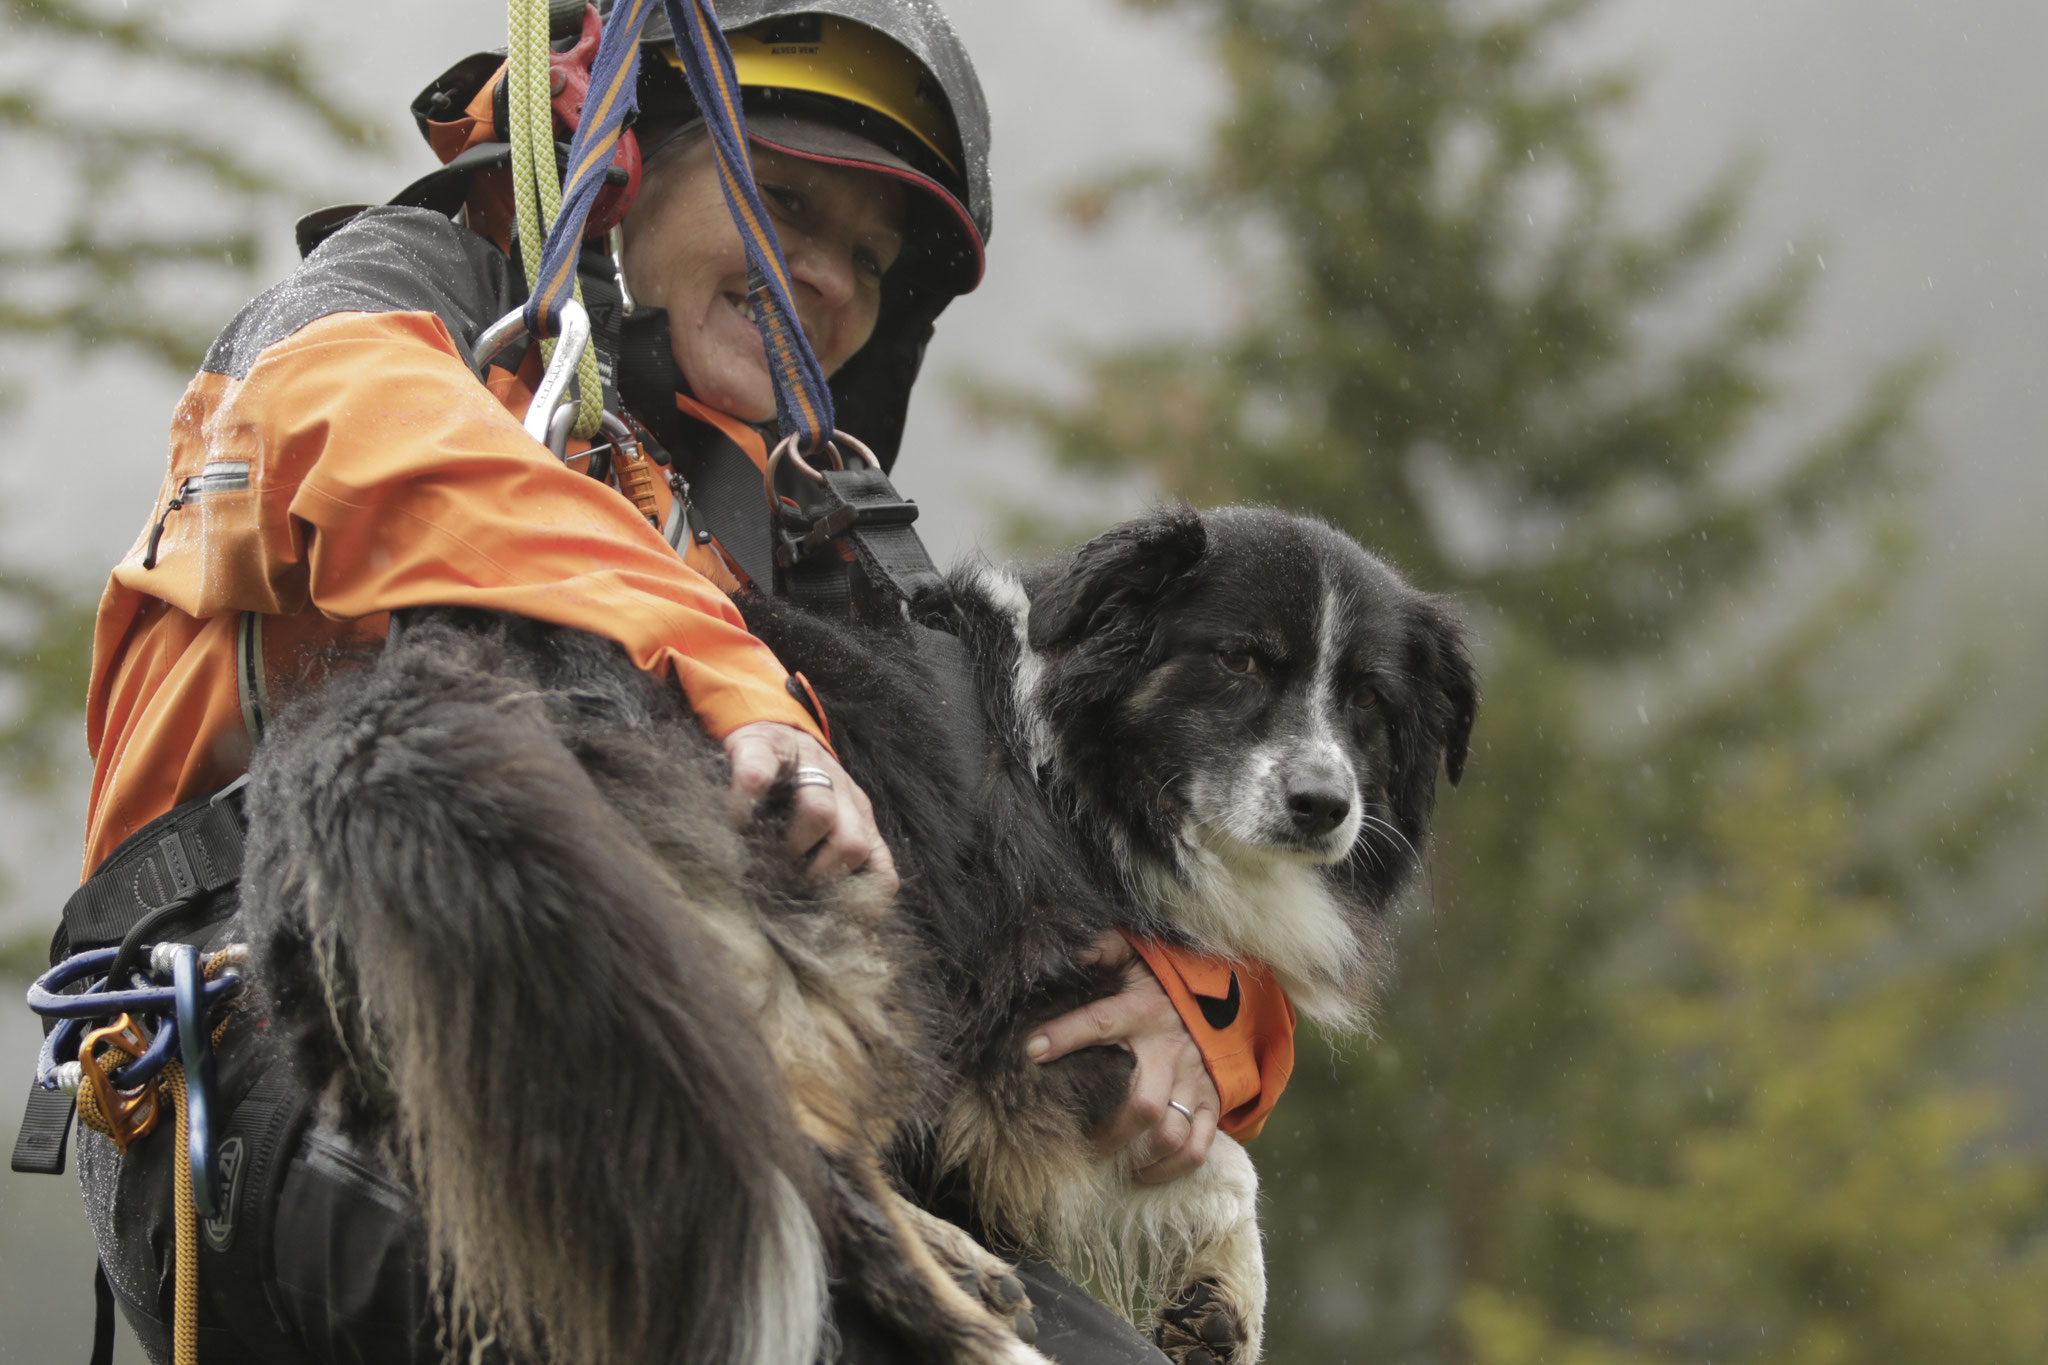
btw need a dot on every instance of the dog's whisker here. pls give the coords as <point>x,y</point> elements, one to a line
<point>1373,822</point>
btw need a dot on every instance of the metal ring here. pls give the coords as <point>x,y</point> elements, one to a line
<point>785,449</point>
<point>811,777</point>
<point>1185,1112</point>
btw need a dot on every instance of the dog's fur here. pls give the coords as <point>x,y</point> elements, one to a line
<point>642,1075</point>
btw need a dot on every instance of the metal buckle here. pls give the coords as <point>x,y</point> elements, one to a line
<point>798,531</point>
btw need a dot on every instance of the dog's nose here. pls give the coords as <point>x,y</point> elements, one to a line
<point>1317,805</point>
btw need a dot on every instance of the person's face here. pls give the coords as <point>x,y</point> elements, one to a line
<point>841,230</point>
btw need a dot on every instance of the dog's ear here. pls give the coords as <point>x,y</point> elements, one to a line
<point>1444,666</point>
<point>1438,726</point>
<point>1129,565</point>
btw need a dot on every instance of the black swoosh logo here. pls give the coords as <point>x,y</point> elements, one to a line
<point>1221,1013</point>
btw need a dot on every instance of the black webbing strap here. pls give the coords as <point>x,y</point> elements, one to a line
<point>647,375</point>
<point>193,850</point>
<point>45,1131</point>
<point>601,299</point>
<point>961,715</point>
<point>725,487</point>
<point>102,1316</point>
<point>860,508</point>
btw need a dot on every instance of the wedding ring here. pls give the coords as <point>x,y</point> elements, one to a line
<point>1185,1112</point>
<point>811,777</point>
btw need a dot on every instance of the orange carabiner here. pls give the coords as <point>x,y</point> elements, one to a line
<point>123,1115</point>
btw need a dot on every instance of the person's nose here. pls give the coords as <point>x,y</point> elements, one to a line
<point>824,269</point>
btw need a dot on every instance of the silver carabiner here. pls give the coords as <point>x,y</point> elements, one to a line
<point>542,420</point>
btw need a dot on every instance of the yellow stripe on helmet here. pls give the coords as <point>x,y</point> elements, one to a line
<point>826,55</point>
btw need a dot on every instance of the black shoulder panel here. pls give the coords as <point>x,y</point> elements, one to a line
<point>387,260</point>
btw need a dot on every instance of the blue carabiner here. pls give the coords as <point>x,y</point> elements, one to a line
<point>59,1046</point>
<point>46,997</point>
<point>197,1053</point>
<point>149,1063</point>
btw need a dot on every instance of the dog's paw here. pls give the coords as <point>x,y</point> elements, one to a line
<point>1002,1293</point>
<point>1199,1328</point>
<point>981,1275</point>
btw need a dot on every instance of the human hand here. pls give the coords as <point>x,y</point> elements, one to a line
<point>1167,1067</point>
<point>833,826</point>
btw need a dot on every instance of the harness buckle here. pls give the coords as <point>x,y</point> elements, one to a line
<point>123,1115</point>
<point>839,502</point>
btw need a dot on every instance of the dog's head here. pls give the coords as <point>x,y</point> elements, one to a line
<point>1253,686</point>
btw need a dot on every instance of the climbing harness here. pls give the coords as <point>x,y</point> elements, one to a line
<point>152,1059</point>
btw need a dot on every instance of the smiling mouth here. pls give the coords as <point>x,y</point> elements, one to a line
<point>742,305</point>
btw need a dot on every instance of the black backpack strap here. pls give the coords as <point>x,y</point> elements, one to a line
<point>725,488</point>
<point>720,485</point>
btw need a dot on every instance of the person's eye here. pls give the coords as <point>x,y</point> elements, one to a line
<point>869,263</point>
<point>790,201</point>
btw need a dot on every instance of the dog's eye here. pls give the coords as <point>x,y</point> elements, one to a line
<point>1365,699</point>
<point>1237,660</point>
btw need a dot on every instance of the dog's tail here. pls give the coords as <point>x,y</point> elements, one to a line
<point>517,989</point>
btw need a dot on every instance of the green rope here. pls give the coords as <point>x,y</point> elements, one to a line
<point>536,179</point>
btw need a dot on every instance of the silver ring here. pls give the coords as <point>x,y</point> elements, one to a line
<point>811,777</point>
<point>1185,1112</point>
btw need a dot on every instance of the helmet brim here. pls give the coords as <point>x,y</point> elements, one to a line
<point>958,259</point>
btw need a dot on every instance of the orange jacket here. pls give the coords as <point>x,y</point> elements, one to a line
<point>334,462</point>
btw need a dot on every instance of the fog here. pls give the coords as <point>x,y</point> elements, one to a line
<point>1901,143</point>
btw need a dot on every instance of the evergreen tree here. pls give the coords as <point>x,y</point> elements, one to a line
<point>140,235</point>
<point>146,211</point>
<point>1801,1186</point>
<point>1452,347</point>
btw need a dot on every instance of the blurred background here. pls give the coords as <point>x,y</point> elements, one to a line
<point>1695,348</point>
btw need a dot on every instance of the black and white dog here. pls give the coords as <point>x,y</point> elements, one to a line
<point>646,1080</point>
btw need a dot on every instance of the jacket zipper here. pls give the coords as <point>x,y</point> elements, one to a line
<point>222,476</point>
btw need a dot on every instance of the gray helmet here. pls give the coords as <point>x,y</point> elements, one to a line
<point>920,28</point>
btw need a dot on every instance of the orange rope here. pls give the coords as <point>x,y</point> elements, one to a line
<point>185,1268</point>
